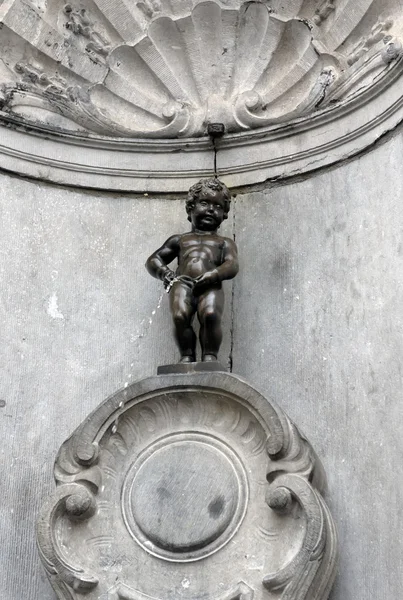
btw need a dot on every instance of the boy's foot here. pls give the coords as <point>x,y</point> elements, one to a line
<point>209,358</point>
<point>187,359</point>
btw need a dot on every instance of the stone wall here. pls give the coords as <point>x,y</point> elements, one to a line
<point>315,322</point>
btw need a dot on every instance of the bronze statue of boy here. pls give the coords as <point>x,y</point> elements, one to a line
<point>205,259</point>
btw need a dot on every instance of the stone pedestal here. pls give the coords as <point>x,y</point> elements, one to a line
<point>188,485</point>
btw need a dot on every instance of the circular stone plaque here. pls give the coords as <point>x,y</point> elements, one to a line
<point>185,496</point>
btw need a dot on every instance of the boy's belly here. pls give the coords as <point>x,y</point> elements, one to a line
<point>195,267</point>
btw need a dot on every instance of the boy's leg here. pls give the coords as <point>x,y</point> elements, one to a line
<point>209,311</point>
<point>183,308</point>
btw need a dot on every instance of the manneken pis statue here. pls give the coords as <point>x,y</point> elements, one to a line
<point>205,259</point>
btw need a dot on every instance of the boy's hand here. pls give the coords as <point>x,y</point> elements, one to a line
<point>168,278</point>
<point>203,282</point>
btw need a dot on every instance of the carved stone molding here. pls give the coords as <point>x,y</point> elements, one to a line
<point>188,486</point>
<point>298,85</point>
<point>163,69</point>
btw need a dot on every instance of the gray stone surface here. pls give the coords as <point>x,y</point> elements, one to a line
<point>324,261</point>
<point>321,333</point>
<point>80,318</point>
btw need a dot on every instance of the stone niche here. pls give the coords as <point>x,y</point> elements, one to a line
<point>191,486</point>
<point>188,486</point>
<point>117,91</point>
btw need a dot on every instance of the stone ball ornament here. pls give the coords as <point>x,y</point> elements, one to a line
<point>119,95</point>
<point>199,487</point>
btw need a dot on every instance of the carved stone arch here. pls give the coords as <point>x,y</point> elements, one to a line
<point>109,95</point>
<point>192,482</point>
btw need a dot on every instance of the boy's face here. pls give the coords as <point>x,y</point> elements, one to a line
<point>208,211</point>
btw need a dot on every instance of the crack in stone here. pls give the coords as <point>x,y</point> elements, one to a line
<point>231,351</point>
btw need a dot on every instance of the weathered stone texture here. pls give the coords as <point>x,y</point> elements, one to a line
<point>324,259</point>
<point>80,318</point>
<point>321,334</point>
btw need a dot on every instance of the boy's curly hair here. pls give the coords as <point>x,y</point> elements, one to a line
<point>204,185</point>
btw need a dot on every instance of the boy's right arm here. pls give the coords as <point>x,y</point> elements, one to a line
<point>157,263</point>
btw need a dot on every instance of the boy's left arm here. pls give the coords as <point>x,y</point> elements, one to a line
<point>230,266</point>
<point>227,270</point>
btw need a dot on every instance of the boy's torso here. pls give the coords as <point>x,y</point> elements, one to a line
<point>199,253</point>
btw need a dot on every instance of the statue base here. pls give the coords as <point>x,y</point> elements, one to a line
<point>193,367</point>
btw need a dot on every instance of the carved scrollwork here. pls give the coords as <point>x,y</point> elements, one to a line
<point>77,502</point>
<point>298,580</point>
<point>158,69</point>
<point>179,469</point>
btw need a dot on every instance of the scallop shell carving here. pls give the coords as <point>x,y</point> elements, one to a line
<point>166,68</point>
